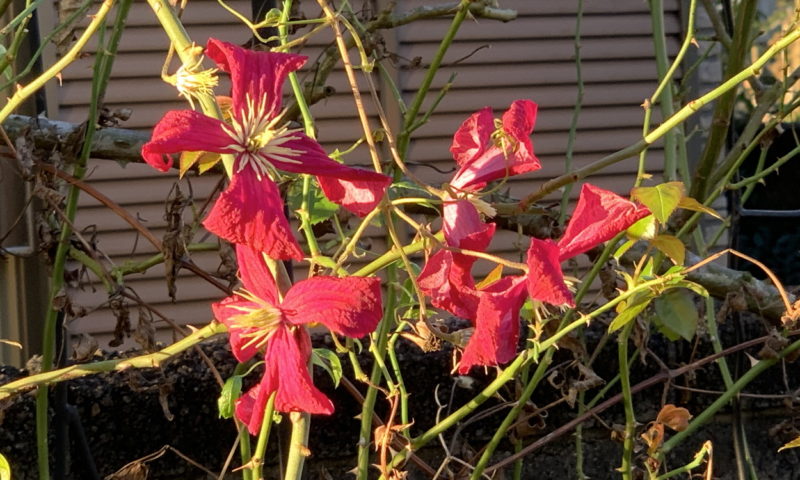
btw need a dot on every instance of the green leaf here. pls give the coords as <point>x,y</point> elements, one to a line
<point>671,246</point>
<point>230,393</point>
<point>677,314</point>
<point>643,229</point>
<point>689,203</point>
<point>328,360</point>
<point>629,313</point>
<point>662,199</point>
<point>321,208</point>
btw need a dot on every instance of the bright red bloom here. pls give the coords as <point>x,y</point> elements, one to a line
<point>256,318</point>
<point>486,150</point>
<point>599,216</point>
<point>250,210</point>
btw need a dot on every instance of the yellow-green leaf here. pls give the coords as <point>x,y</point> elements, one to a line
<point>671,246</point>
<point>644,229</point>
<point>628,314</point>
<point>689,203</point>
<point>203,160</point>
<point>5,468</point>
<point>677,314</point>
<point>793,444</point>
<point>661,199</point>
<point>493,276</point>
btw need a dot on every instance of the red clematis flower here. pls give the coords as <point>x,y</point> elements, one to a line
<point>258,319</point>
<point>598,217</point>
<point>250,210</point>
<point>485,150</point>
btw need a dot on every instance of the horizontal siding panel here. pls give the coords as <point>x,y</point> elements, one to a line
<point>558,7</point>
<point>183,313</point>
<point>540,74</point>
<point>547,50</point>
<point>535,28</point>
<point>132,191</point>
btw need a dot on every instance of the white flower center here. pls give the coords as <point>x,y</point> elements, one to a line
<point>259,139</point>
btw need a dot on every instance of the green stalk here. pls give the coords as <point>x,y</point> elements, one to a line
<point>368,407</point>
<point>151,360</point>
<point>398,375</point>
<point>410,118</point>
<point>745,17</point>
<point>576,112</point>
<point>520,403</point>
<point>680,116</point>
<point>102,69</point>
<point>257,459</point>
<point>298,446</point>
<point>696,462</point>
<point>23,93</point>
<point>504,377</point>
<point>722,401</point>
<point>627,401</point>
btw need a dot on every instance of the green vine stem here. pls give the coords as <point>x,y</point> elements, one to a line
<point>576,112</point>
<point>151,360</point>
<point>737,54</point>
<point>257,460</point>
<point>627,402</point>
<point>298,446</point>
<point>410,117</point>
<point>381,338</point>
<point>504,377</point>
<point>725,398</point>
<point>681,115</point>
<point>102,70</point>
<point>696,462</point>
<point>21,94</point>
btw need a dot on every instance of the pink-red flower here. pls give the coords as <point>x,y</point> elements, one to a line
<point>258,319</point>
<point>599,216</point>
<point>485,150</point>
<point>250,210</point>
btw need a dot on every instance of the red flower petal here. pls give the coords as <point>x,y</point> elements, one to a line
<point>250,212</point>
<point>496,325</point>
<point>518,122</point>
<point>259,75</point>
<point>545,279</point>
<point>473,136</point>
<point>256,277</point>
<point>449,284</point>
<point>493,163</point>
<point>349,306</point>
<point>184,131</point>
<point>286,373</point>
<point>355,189</point>
<point>463,227</point>
<point>223,311</point>
<point>598,217</point>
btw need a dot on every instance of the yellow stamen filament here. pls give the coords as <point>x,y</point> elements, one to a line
<point>262,321</point>
<point>260,139</point>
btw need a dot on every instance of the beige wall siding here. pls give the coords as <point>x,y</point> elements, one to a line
<point>497,63</point>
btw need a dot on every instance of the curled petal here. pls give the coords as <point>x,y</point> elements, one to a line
<point>463,227</point>
<point>518,122</point>
<point>259,75</point>
<point>355,189</point>
<point>496,325</point>
<point>184,131</point>
<point>545,279</point>
<point>223,311</point>
<point>349,306</point>
<point>598,217</point>
<point>449,284</point>
<point>250,212</point>
<point>473,136</point>
<point>255,275</point>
